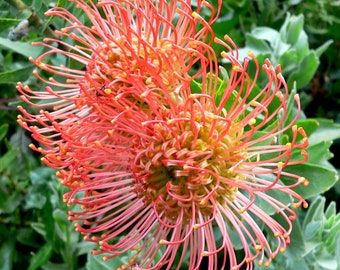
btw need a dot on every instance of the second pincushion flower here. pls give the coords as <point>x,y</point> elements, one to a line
<point>165,154</point>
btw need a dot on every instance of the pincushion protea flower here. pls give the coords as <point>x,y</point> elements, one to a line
<point>166,160</point>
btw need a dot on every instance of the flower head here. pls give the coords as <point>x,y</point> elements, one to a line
<point>164,155</point>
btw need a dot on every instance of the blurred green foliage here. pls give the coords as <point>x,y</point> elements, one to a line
<point>288,47</point>
<point>301,35</point>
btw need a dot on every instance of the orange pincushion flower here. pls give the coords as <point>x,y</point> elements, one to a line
<point>163,157</point>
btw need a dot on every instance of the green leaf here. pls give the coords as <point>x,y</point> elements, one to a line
<point>16,75</point>
<point>37,4</point>
<point>312,246</point>
<point>331,210</point>
<point>3,131</point>
<point>3,199</point>
<point>48,220</point>
<point>41,257</point>
<point>337,249</point>
<point>7,159</point>
<point>6,23</point>
<point>257,45</point>
<point>39,228</point>
<point>282,197</point>
<point>320,179</point>
<point>312,229</point>
<point>36,198</point>
<point>62,223</point>
<point>327,131</point>
<point>293,257</point>
<point>262,142</point>
<point>293,29</point>
<point>291,105</point>
<point>6,254</point>
<point>315,211</point>
<point>296,249</point>
<point>22,48</point>
<point>266,33</point>
<point>302,47</point>
<point>288,61</point>
<point>20,141</point>
<point>323,48</point>
<point>224,73</point>
<point>195,87</point>
<point>304,72</point>
<point>333,235</point>
<point>60,217</point>
<point>327,262</point>
<point>280,48</point>
<point>41,175</point>
<point>55,266</point>
<point>274,104</point>
<point>85,247</point>
<point>319,153</point>
<point>294,2</point>
<point>95,262</point>
<point>38,190</point>
<point>26,236</point>
<point>9,202</point>
<point>309,125</point>
<point>322,234</point>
